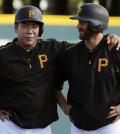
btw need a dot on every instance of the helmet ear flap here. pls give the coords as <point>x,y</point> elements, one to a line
<point>94,28</point>
<point>97,28</point>
<point>41,31</point>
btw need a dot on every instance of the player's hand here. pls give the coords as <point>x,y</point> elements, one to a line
<point>113,40</point>
<point>4,115</point>
<point>115,112</point>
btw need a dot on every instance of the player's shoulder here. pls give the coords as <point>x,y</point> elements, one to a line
<point>72,50</point>
<point>7,45</point>
<point>75,46</point>
<point>115,52</point>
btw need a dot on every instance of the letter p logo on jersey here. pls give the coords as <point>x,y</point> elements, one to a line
<point>102,62</point>
<point>42,58</point>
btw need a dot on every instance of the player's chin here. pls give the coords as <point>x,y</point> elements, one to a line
<point>81,37</point>
<point>30,43</point>
<point>30,40</point>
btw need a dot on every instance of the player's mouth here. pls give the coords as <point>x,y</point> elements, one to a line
<point>29,38</point>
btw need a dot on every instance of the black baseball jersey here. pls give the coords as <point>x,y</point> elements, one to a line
<point>94,83</point>
<point>27,82</point>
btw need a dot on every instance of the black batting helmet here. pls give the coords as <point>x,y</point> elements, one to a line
<point>29,13</point>
<point>96,14</point>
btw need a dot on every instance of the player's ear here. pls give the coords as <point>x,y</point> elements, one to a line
<point>15,27</point>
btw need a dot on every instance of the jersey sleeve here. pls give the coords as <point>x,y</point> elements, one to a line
<point>62,44</point>
<point>116,56</point>
<point>61,72</point>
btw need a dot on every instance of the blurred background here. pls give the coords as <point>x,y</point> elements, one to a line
<point>58,7</point>
<point>57,25</point>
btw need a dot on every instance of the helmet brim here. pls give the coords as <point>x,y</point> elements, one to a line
<point>26,20</point>
<point>75,17</point>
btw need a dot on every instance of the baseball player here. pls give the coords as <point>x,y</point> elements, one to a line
<point>93,74</point>
<point>28,76</point>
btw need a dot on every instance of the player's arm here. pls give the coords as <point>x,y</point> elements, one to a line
<point>113,40</point>
<point>115,109</point>
<point>62,101</point>
<point>61,77</point>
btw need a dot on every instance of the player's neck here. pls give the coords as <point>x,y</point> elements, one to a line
<point>93,41</point>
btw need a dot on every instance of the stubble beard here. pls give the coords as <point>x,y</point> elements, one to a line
<point>86,36</point>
